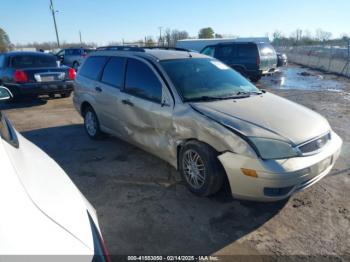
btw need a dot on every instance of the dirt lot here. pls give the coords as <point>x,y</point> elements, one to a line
<point>144,208</point>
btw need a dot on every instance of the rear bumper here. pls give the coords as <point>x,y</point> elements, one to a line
<point>278,179</point>
<point>41,88</point>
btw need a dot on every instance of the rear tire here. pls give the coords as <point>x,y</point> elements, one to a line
<point>200,168</point>
<point>91,124</point>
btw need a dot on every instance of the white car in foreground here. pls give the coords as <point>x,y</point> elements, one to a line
<point>42,211</point>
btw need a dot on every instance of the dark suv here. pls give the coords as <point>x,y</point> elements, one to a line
<point>251,59</point>
<point>73,57</point>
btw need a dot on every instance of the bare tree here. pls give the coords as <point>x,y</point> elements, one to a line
<point>167,36</point>
<point>322,35</point>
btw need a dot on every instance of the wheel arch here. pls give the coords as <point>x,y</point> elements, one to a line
<point>85,105</point>
<point>182,143</point>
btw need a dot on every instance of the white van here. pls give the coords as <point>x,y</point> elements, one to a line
<point>199,44</point>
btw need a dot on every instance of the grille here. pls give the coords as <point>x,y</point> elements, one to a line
<point>315,144</point>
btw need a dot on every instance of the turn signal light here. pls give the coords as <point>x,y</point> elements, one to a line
<point>249,172</point>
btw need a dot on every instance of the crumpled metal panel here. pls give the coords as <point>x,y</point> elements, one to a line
<point>162,131</point>
<point>267,116</point>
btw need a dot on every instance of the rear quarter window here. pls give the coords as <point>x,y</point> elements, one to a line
<point>247,51</point>
<point>225,51</point>
<point>92,67</point>
<point>76,51</point>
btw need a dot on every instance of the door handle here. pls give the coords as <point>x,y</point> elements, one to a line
<point>98,89</point>
<point>127,102</point>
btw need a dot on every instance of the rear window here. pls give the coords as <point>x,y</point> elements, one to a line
<point>93,67</point>
<point>29,61</point>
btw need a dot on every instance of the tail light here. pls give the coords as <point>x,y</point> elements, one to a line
<point>20,77</point>
<point>258,60</point>
<point>71,73</point>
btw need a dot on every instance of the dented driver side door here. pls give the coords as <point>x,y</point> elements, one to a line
<point>147,108</point>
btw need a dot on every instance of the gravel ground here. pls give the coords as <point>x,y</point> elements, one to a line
<point>144,208</point>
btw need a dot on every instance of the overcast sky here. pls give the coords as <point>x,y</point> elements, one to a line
<point>103,21</point>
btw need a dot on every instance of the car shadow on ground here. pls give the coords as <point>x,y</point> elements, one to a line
<point>23,102</point>
<point>142,204</point>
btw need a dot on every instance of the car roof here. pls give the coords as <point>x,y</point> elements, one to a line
<point>235,43</point>
<point>158,54</point>
<point>17,53</point>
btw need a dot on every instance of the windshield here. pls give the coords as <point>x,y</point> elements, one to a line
<point>30,61</point>
<point>204,77</point>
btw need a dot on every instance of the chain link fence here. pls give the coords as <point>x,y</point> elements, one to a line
<point>334,59</point>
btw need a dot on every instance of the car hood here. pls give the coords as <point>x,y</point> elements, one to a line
<point>51,190</point>
<point>267,116</point>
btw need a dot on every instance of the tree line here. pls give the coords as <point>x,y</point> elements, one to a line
<point>171,36</point>
<point>303,38</point>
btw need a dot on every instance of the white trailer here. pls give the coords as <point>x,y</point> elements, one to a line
<point>199,44</point>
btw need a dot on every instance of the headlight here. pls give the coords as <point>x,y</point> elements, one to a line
<point>273,149</point>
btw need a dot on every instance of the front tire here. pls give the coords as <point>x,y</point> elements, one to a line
<point>200,168</point>
<point>91,124</point>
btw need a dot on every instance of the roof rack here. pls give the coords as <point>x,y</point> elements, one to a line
<point>168,48</point>
<point>138,49</point>
<point>120,48</point>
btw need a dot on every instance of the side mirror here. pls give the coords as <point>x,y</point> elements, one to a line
<point>5,94</point>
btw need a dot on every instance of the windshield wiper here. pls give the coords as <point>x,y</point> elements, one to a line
<point>211,98</point>
<point>249,92</point>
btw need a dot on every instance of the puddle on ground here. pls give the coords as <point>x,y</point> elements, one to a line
<point>301,78</point>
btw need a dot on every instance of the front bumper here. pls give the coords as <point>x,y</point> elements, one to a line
<point>278,179</point>
<point>42,88</point>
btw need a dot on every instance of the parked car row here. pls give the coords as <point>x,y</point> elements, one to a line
<point>73,57</point>
<point>37,73</point>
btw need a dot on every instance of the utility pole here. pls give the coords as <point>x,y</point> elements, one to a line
<point>81,42</point>
<point>53,11</point>
<point>160,35</point>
